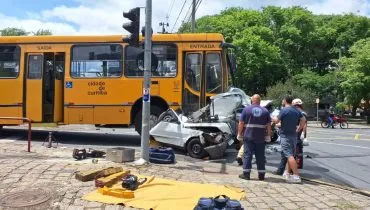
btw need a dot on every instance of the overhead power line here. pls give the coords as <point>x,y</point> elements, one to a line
<point>182,8</point>
<point>170,9</point>
<point>196,9</point>
<point>199,2</point>
<point>188,14</point>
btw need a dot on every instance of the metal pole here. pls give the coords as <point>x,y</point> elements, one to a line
<point>29,135</point>
<point>146,86</point>
<point>193,17</point>
<point>317,112</point>
<point>29,121</point>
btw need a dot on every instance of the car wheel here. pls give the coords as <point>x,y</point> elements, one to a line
<point>195,149</point>
<point>155,111</point>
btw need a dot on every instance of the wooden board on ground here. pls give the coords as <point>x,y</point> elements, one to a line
<point>90,175</point>
<point>110,180</point>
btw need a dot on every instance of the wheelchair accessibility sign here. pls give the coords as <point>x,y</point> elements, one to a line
<point>146,94</point>
<point>69,84</point>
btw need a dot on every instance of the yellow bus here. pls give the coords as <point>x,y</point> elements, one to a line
<point>99,79</point>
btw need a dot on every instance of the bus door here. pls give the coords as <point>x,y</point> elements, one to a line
<point>202,79</point>
<point>193,94</point>
<point>44,86</point>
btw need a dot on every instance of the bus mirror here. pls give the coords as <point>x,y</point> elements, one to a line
<point>233,62</point>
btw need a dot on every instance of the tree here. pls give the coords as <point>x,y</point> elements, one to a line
<point>22,32</point>
<point>323,86</point>
<point>229,22</point>
<point>277,44</point>
<point>13,32</point>
<point>355,74</point>
<point>259,63</point>
<point>43,32</point>
<point>281,89</point>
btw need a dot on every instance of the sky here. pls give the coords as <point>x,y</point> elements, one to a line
<point>98,17</point>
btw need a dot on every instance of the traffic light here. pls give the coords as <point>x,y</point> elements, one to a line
<point>133,27</point>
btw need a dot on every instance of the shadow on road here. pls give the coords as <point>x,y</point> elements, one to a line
<point>66,137</point>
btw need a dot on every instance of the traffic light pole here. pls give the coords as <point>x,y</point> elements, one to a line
<point>146,86</point>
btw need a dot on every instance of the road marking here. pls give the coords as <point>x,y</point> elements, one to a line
<point>6,141</point>
<point>345,132</point>
<point>344,145</point>
<point>338,138</point>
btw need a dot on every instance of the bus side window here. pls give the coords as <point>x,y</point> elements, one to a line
<point>9,61</point>
<point>35,65</point>
<point>59,67</point>
<point>164,61</point>
<point>100,60</point>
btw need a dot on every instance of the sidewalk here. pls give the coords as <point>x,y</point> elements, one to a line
<point>52,170</point>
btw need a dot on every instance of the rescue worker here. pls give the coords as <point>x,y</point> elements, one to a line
<point>289,117</point>
<point>254,121</point>
<point>239,157</point>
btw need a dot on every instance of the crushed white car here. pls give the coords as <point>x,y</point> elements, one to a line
<point>206,132</point>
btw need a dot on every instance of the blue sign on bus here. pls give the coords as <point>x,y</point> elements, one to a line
<point>69,84</point>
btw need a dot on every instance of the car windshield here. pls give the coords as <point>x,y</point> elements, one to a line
<point>225,104</point>
<point>246,101</point>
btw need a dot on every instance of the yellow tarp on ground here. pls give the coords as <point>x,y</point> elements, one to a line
<point>164,194</point>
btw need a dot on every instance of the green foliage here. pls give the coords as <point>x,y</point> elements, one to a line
<point>13,32</point>
<point>355,72</point>
<point>43,32</point>
<point>257,63</point>
<point>292,44</point>
<point>340,106</point>
<point>321,85</point>
<point>280,90</point>
<point>22,32</point>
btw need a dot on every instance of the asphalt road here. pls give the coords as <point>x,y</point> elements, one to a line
<point>339,156</point>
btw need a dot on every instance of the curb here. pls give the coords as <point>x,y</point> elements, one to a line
<point>354,190</point>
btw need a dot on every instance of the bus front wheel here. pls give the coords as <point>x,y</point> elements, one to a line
<point>155,111</point>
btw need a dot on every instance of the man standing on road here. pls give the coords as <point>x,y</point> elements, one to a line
<point>289,117</point>
<point>255,120</point>
<point>297,103</point>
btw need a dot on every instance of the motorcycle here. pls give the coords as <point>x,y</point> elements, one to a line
<point>337,120</point>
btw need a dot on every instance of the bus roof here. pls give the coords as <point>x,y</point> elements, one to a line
<point>196,37</point>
